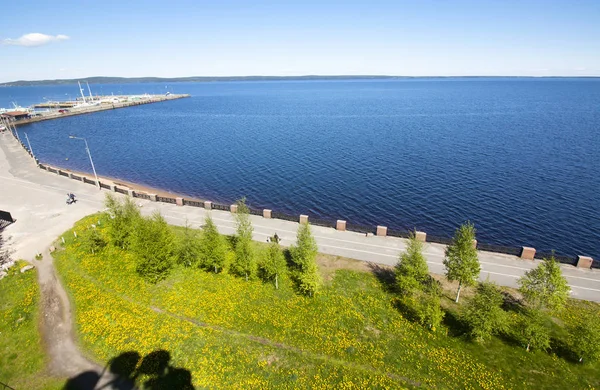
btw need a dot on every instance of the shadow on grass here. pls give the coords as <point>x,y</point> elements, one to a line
<point>385,276</point>
<point>287,255</point>
<point>231,240</point>
<point>563,350</point>
<point>123,371</point>
<point>456,326</point>
<point>510,303</point>
<point>405,309</point>
<point>509,337</point>
<point>294,273</point>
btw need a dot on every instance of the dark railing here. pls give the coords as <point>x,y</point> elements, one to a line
<point>121,191</point>
<point>398,233</point>
<point>439,240</point>
<point>321,222</point>
<point>222,207</point>
<point>256,212</point>
<point>559,258</point>
<point>75,177</point>
<point>88,181</point>
<point>42,166</point>
<point>142,196</point>
<point>193,203</point>
<point>105,186</point>
<point>359,228</point>
<point>285,217</point>
<point>62,173</point>
<point>51,170</point>
<point>166,200</point>
<point>509,250</point>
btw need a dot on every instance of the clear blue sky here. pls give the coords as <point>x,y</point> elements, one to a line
<point>231,38</point>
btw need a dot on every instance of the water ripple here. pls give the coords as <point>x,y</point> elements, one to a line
<point>516,157</point>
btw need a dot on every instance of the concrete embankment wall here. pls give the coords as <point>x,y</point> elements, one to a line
<point>524,252</point>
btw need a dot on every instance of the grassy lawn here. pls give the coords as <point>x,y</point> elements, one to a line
<point>234,334</point>
<point>21,353</point>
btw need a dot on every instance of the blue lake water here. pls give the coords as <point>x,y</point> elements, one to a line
<point>518,157</point>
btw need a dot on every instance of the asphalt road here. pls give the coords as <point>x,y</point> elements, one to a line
<point>36,198</point>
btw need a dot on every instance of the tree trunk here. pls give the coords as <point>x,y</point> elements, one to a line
<point>527,347</point>
<point>215,268</point>
<point>246,276</point>
<point>458,293</point>
<point>276,284</point>
<point>580,359</point>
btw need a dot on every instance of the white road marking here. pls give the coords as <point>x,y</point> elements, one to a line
<point>169,214</point>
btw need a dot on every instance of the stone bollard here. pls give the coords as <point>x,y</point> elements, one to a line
<point>208,205</point>
<point>58,171</point>
<point>584,262</point>
<point>179,201</point>
<point>152,197</point>
<point>233,208</point>
<point>381,231</point>
<point>70,175</point>
<point>421,236</point>
<point>340,225</point>
<point>475,243</point>
<point>527,253</point>
<point>303,219</point>
<point>267,213</point>
<point>113,188</point>
<point>131,193</point>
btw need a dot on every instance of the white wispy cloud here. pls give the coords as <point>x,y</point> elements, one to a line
<point>34,39</point>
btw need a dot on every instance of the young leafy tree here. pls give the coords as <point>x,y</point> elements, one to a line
<point>153,245</point>
<point>273,265</point>
<point>428,310</point>
<point>212,250</point>
<point>585,337</point>
<point>304,256</point>
<point>411,271</point>
<point>544,286</point>
<point>309,281</point>
<point>461,259</point>
<point>188,248</point>
<point>245,259</point>
<point>484,313</point>
<point>532,330</point>
<point>91,241</point>
<point>123,220</point>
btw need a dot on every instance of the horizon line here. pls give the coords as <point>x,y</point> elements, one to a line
<point>354,76</point>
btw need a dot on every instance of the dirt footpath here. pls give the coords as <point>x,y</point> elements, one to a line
<point>56,328</point>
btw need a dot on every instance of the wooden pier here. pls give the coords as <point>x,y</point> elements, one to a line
<point>95,108</point>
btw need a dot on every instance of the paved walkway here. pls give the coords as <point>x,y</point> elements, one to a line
<point>36,199</point>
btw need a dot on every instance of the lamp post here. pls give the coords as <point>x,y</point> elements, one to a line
<point>87,149</point>
<point>31,150</point>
